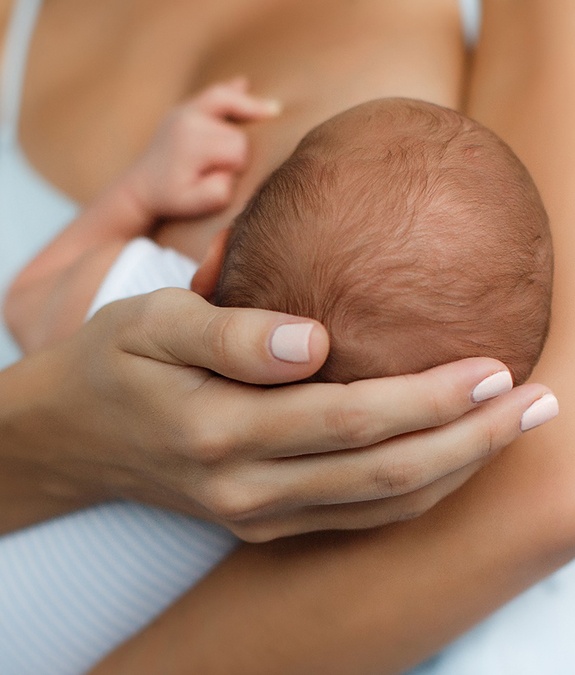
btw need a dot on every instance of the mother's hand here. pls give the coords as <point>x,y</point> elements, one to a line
<point>133,407</point>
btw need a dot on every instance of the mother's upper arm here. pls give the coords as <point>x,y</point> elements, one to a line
<point>523,87</point>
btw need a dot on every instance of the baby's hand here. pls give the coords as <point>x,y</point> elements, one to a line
<point>192,164</point>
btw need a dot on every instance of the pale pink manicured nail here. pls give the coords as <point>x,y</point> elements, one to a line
<point>539,412</point>
<point>290,342</point>
<point>492,386</point>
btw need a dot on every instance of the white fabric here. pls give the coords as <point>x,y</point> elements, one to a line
<point>142,267</point>
<point>73,588</point>
<point>470,20</point>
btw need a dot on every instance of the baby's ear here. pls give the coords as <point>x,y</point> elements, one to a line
<point>206,278</point>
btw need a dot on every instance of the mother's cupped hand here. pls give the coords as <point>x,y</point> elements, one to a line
<point>162,399</point>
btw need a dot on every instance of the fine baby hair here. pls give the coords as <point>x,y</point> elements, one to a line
<point>411,231</point>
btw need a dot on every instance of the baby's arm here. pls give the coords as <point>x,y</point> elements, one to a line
<point>189,170</point>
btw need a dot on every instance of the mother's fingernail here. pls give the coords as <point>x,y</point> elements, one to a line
<point>290,342</point>
<point>492,386</point>
<point>540,411</point>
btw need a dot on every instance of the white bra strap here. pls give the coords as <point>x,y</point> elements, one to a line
<point>471,11</point>
<point>20,30</point>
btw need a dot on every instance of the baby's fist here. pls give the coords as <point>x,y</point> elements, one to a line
<point>191,167</point>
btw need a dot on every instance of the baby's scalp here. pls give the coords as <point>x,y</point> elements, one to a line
<point>412,232</point>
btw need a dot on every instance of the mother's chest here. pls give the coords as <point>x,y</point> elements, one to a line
<point>98,84</point>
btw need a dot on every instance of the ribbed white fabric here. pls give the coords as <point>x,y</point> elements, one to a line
<point>73,588</point>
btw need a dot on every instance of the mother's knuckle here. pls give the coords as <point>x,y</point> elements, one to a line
<point>212,445</point>
<point>153,305</point>
<point>242,509</point>
<point>438,411</point>
<point>221,337</point>
<point>255,531</point>
<point>398,478</point>
<point>412,506</point>
<point>349,425</point>
<point>227,500</point>
<point>486,444</point>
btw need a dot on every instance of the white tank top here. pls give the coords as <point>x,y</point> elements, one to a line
<point>31,210</point>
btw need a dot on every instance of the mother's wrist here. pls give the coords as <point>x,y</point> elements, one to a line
<point>31,488</point>
<point>29,496</point>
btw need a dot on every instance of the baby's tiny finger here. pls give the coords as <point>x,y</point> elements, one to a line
<point>239,83</point>
<point>232,103</point>
<point>211,194</point>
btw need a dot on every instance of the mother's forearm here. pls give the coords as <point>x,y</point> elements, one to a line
<point>371,602</point>
<point>30,489</point>
<point>375,602</point>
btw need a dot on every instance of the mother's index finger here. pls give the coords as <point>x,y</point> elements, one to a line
<point>315,418</point>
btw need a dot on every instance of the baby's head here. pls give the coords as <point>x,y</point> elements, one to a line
<point>413,233</point>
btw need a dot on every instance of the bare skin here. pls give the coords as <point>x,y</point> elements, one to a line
<point>189,170</point>
<point>141,58</point>
<point>532,483</point>
<point>42,136</point>
<point>93,456</point>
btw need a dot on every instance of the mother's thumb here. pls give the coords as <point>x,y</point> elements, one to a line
<point>251,345</point>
